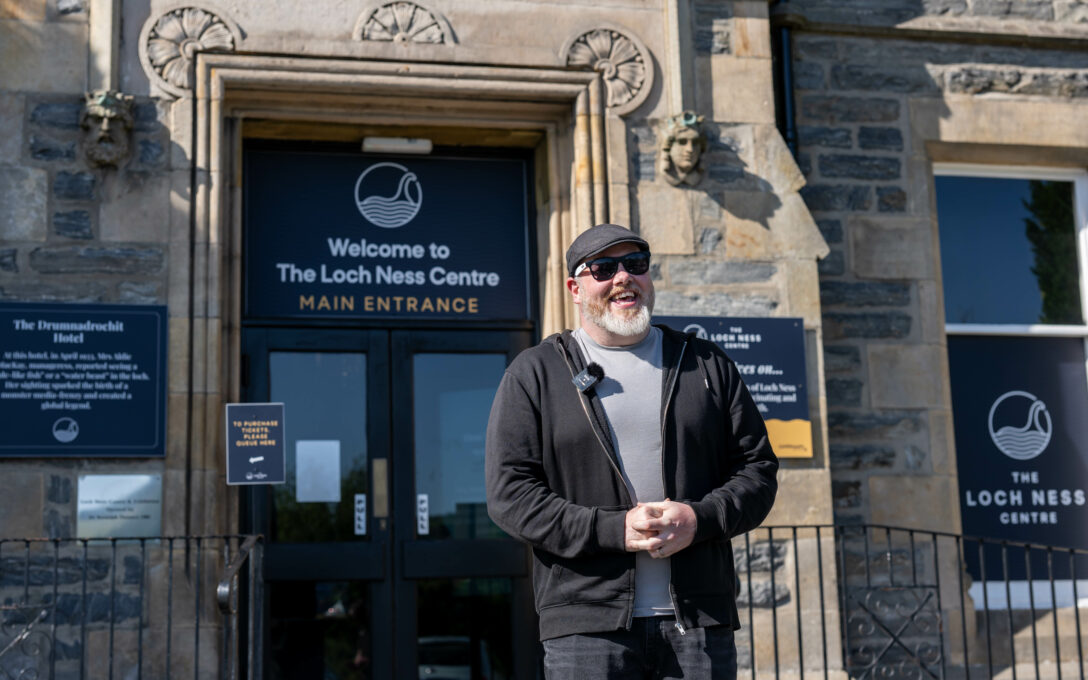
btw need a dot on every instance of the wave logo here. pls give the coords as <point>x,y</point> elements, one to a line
<point>388,195</point>
<point>65,430</point>
<point>1027,427</point>
<point>698,330</point>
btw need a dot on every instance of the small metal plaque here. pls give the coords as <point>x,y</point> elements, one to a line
<point>119,506</point>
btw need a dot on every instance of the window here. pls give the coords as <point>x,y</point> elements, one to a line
<point>1009,249</point>
<point>1013,249</point>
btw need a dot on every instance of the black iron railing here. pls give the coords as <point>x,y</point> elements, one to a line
<point>866,602</point>
<point>885,602</point>
<point>121,608</point>
<point>243,634</point>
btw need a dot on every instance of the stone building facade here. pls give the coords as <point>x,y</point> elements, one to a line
<point>839,232</point>
<point>885,92</point>
<point>741,243</point>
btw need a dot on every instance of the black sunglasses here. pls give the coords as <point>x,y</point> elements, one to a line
<point>604,268</point>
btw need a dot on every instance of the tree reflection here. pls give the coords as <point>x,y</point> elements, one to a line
<point>1054,245</point>
<point>318,522</point>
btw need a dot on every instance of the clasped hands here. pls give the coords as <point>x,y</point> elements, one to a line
<point>662,528</point>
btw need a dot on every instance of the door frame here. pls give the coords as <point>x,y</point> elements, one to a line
<point>449,558</point>
<point>390,562</point>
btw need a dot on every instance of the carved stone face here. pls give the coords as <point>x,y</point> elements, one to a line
<point>106,121</point>
<point>685,150</point>
<point>105,138</point>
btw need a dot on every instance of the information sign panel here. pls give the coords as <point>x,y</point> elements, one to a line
<point>82,380</point>
<point>770,355</point>
<point>119,506</point>
<point>349,235</point>
<point>1021,443</point>
<point>255,444</point>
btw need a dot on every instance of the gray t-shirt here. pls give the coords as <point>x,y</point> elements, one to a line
<point>631,396</point>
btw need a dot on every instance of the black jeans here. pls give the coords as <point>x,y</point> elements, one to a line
<point>653,649</point>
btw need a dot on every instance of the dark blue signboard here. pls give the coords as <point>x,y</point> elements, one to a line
<point>770,355</point>
<point>1020,408</point>
<point>255,444</point>
<point>348,235</point>
<point>82,380</point>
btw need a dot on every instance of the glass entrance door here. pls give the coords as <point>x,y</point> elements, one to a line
<point>381,560</point>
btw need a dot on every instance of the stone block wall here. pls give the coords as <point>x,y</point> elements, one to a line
<point>71,231</point>
<point>788,602</point>
<point>103,224</point>
<point>740,241</point>
<point>100,608</point>
<point>890,12</point>
<point>868,172</point>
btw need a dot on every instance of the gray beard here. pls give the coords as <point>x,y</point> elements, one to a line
<point>627,326</point>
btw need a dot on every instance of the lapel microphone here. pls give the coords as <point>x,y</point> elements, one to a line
<point>589,377</point>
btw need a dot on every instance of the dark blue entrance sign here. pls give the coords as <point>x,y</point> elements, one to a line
<point>255,445</point>
<point>770,355</point>
<point>82,380</point>
<point>348,235</point>
<point>1019,406</point>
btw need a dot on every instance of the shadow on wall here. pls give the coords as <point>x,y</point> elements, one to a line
<point>725,166</point>
<point>727,184</point>
<point>111,223</point>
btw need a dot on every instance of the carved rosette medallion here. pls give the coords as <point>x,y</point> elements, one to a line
<point>403,22</point>
<point>622,60</point>
<point>169,43</point>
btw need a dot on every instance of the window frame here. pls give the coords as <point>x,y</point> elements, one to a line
<point>1079,178</point>
<point>1018,590</point>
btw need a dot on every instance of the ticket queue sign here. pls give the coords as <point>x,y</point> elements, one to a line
<point>346,235</point>
<point>82,380</point>
<point>255,444</point>
<point>770,356</point>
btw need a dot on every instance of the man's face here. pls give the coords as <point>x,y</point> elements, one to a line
<point>684,151</point>
<point>105,139</point>
<point>615,312</point>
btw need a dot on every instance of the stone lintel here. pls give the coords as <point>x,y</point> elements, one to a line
<point>1043,128</point>
<point>1018,32</point>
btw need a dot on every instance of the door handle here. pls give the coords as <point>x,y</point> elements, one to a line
<point>380,487</point>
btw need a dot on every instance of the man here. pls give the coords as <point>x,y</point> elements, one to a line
<point>627,455</point>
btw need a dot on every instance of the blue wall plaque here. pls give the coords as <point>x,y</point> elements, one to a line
<point>770,355</point>
<point>347,235</point>
<point>82,380</point>
<point>1019,406</point>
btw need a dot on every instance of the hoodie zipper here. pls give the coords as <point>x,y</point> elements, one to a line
<point>664,491</point>
<point>585,409</point>
<point>582,399</point>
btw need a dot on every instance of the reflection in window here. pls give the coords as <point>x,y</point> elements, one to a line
<point>324,397</point>
<point>464,629</point>
<point>1008,251</point>
<point>452,401</point>
<point>319,630</point>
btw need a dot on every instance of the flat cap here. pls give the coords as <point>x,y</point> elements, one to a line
<point>598,238</point>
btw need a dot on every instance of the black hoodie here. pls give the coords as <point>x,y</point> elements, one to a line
<point>553,481</point>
